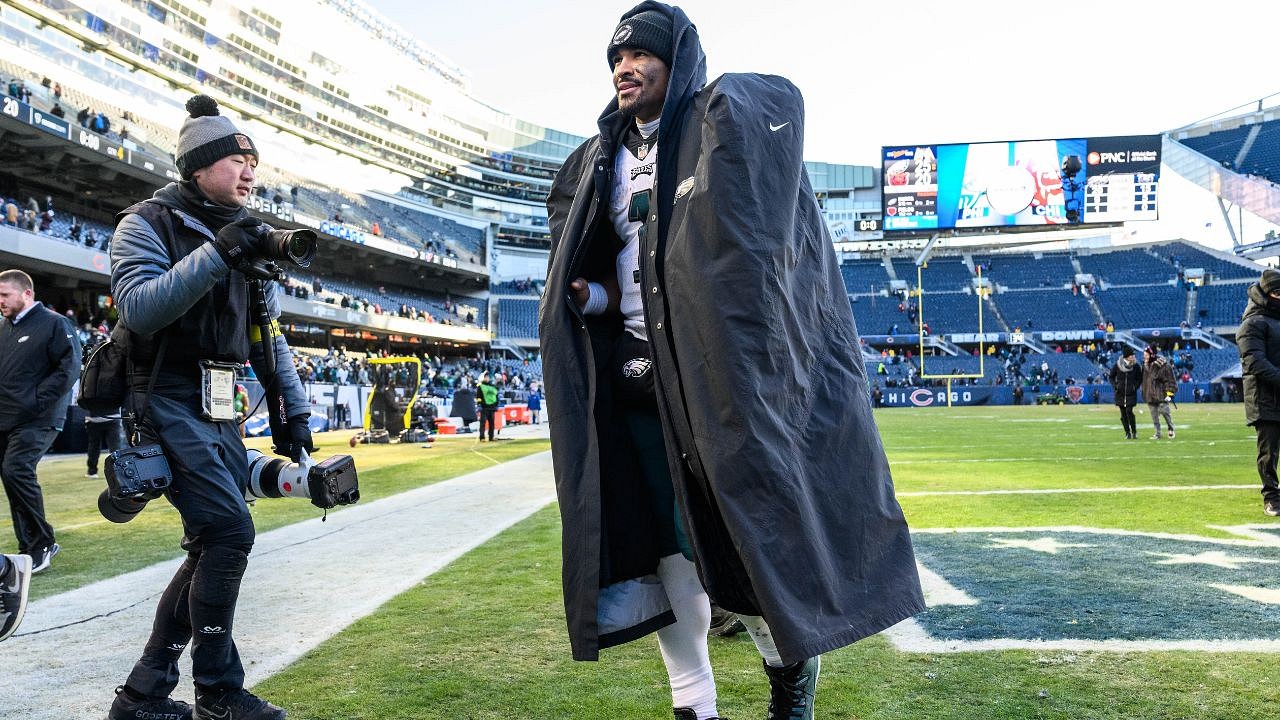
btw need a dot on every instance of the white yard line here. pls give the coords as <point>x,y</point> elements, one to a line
<point>1054,491</point>
<point>1058,459</point>
<point>305,583</point>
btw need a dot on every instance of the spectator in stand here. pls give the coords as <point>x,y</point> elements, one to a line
<point>46,221</point>
<point>11,213</point>
<point>57,111</point>
<point>1126,378</point>
<point>83,116</point>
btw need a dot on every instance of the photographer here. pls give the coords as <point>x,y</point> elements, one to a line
<point>181,264</point>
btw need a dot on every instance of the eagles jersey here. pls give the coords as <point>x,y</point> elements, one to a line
<point>633,172</point>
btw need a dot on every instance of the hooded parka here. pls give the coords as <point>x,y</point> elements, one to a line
<point>1259,342</point>
<point>781,480</point>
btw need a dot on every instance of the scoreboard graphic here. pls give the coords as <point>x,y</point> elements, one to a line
<point>1020,183</point>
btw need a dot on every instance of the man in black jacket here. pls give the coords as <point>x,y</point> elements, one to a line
<point>714,437</point>
<point>1126,378</point>
<point>1259,342</point>
<point>39,364</point>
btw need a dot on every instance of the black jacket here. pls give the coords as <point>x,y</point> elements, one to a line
<point>1259,342</point>
<point>779,473</point>
<point>1126,379</point>
<point>39,364</point>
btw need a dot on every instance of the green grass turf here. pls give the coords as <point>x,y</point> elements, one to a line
<point>485,637</point>
<point>93,548</point>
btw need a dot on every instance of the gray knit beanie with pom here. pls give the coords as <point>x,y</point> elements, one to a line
<point>206,137</point>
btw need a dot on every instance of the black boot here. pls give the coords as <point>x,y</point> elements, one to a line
<point>129,705</point>
<point>792,689</point>
<point>238,704</point>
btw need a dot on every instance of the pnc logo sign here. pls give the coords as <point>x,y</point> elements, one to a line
<point>1095,158</point>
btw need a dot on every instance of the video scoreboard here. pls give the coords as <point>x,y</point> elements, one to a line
<point>1020,183</point>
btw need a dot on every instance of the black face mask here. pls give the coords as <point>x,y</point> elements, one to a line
<point>215,216</point>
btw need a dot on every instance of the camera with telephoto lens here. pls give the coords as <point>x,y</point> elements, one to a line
<point>293,246</point>
<point>326,484</point>
<point>297,247</point>
<point>135,476</point>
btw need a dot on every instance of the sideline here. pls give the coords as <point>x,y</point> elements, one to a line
<point>305,583</point>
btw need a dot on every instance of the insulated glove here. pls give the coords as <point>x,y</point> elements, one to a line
<point>237,243</point>
<point>299,437</point>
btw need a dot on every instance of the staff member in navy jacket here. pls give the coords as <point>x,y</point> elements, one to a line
<point>39,364</point>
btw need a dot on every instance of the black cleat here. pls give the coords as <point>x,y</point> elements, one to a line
<point>792,689</point>
<point>238,704</point>
<point>126,707</point>
<point>724,623</point>
<point>1271,507</point>
<point>14,586</point>
<point>689,714</point>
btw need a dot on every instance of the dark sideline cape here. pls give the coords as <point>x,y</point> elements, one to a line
<point>781,479</point>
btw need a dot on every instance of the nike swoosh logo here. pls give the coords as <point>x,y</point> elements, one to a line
<point>776,128</point>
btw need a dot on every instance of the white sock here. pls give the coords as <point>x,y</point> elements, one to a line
<point>684,644</point>
<point>759,631</point>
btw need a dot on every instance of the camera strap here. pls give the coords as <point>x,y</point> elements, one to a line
<point>141,414</point>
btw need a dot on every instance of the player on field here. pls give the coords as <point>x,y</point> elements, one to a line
<point>713,436</point>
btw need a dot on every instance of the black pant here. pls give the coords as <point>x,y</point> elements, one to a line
<point>210,470</point>
<point>1127,419</point>
<point>487,417</point>
<point>20,449</point>
<point>103,434</point>
<point>1268,452</point>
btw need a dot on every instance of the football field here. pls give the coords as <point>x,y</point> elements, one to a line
<point>1070,574</point>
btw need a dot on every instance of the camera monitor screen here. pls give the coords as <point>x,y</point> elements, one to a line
<point>1020,183</point>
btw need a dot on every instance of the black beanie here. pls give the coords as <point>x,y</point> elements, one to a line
<point>649,30</point>
<point>206,137</point>
<point>1127,351</point>
<point>1270,281</point>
